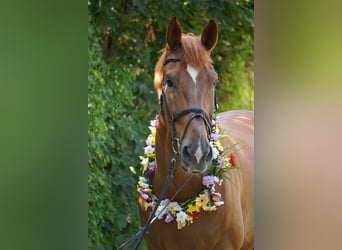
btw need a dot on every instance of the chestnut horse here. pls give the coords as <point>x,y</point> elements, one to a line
<point>185,78</point>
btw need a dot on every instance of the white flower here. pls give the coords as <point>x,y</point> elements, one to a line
<point>175,206</point>
<point>218,203</point>
<point>181,216</point>
<point>181,219</point>
<point>142,179</point>
<point>160,212</point>
<point>144,162</point>
<point>214,136</point>
<point>216,153</point>
<point>143,182</point>
<point>148,150</point>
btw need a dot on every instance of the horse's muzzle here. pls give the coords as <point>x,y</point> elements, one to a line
<point>196,158</point>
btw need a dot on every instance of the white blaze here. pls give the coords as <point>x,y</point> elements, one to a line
<point>192,72</point>
<point>198,153</point>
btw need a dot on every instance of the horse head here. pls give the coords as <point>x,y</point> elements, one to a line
<point>185,80</point>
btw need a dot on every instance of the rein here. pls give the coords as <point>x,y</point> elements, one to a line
<point>160,198</point>
<point>198,113</point>
<point>143,230</point>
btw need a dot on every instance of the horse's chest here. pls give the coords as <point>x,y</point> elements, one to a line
<point>206,232</point>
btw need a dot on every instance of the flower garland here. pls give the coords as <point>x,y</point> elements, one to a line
<point>208,199</point>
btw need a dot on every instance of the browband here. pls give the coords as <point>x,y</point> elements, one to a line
<point>167,60</point>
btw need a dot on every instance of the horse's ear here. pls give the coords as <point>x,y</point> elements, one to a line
<point>209,35</point>
<point>174,34</point>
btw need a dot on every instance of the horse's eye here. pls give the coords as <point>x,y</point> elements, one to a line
<point>169,83</point>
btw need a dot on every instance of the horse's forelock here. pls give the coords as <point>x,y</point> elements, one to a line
<point>191,52</point>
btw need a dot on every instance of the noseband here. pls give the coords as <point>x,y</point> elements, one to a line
<point>197,113</point>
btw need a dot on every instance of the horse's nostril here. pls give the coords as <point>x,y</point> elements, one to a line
<point>209,155</point>
<point>186,154</point>
<point>197,157</point>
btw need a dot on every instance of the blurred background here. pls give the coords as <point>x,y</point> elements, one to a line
<point>124,43</point>
<point>67,142</point>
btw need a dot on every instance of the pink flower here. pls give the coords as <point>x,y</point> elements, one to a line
<point>149,173</point>
<point>151,168</point>
<point>144,196</point>
<point>152,165</point>
<point>154,123</point>
<point>164,202</point>
<point>214,136</point>
<point>209,180</point>
<point>222,162</point>
<point>168,218</point>
<point>148,142</point>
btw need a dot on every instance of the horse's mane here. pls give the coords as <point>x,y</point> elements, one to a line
<point>191,52</point>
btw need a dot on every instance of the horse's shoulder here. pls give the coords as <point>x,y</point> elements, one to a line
<point>236,119</point>
<point>247,115</point>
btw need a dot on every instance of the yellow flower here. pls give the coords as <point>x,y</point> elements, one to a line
<point>215,127</point>
<point>148,205</point>
<point>144,163</point>
<point>189,220</point>
<point>151,156</point>
<point>153,130</point>
<point>209,209</point>
<point>172,210</point>
<point>228,164</point>
<point>151,138</point>
<point>218,145</point>
<point>202,200</point>
<point>192,208</point>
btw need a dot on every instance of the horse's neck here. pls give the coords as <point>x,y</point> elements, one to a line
<point>164,154</point>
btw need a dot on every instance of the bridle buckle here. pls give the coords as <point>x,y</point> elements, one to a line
<point>175,149</point>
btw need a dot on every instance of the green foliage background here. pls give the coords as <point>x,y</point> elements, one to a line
<point>124,40</point>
